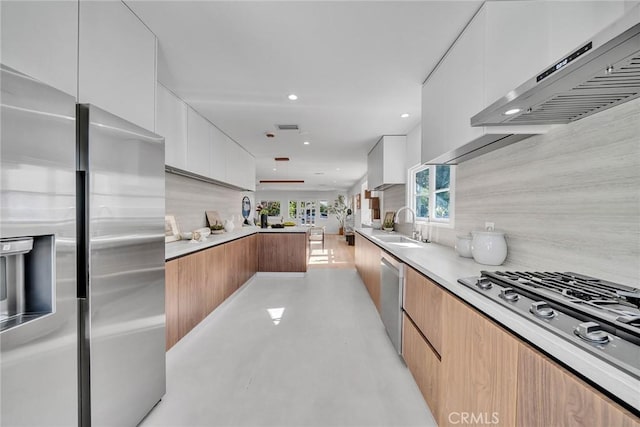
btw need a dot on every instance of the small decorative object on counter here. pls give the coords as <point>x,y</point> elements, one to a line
<point>229,225</point>
<point>217,228</point>
<point>489,247</point>
<point>388,225</point>
<point>463,246</point>
<point>264,217</point>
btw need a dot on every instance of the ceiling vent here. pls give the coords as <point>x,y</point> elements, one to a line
<point>287,127</point>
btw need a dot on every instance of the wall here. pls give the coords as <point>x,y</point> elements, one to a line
<point>568,200</point>
<point>331,223</point>
<point>393,198</point>
<point>188,199</point>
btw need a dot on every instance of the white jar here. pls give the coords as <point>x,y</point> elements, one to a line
<point>489,247</point>
<point>463,246</point>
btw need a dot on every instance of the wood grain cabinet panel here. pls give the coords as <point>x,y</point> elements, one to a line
<point>216,271</point>
<point>233,260</point>
<point>367,260</point>
<point>192,296</point>
<point>548,395</point>
<point>479,368</point>
<point>171,303</point>
<point>423,303</point>
<point>423,363</point>
<point>282,252</point>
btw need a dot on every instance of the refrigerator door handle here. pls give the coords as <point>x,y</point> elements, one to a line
<point>82,249</point>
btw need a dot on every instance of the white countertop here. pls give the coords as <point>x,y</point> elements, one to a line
<point>185,247</point>
<point>444,266</point>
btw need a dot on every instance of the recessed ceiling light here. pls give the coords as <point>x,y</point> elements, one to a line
<point>274,169</point>
<point>512,111</point>
<point>404,115</point>
<point>306,143</point>
<point>293,97</point>
<point>337,169</point>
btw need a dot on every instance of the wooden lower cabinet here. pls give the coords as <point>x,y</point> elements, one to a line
<point>234,260</point>
<point>549,395</point>
<point>192,291</point>
<point>423,363</point>
<point>171,296</point>
<point>282,252</point>
<point>478,370</point>
<point>423,303</point>
<point>216,277</point>
<point>367,260</point>
<point>197,283</point>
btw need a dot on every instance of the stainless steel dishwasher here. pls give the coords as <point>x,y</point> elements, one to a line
<point>391,293</point>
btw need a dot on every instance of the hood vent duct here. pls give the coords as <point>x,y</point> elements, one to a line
<point>583,83</point>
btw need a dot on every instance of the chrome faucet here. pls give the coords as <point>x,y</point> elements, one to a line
<point>413,224</point>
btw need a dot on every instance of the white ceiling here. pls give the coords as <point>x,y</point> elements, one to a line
<point>356,66</point>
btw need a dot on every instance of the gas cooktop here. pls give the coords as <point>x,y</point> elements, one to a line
<point>597,316</point>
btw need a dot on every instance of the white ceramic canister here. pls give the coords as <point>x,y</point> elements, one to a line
<point>229,225</point>
<point>489,247</point>
<point>463,246</point>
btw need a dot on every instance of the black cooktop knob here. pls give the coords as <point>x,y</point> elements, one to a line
<point>509,294</point>
<point>542,309</point>
<point>484,283</point>
<point>591,332</point>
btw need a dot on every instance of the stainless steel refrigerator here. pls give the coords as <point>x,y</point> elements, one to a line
<point>82,329</point>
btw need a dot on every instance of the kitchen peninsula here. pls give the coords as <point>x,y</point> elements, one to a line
<point>200,276</point>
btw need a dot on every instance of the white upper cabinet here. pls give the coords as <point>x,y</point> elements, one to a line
<point>219,153</point>
<point>506,44</point>
<point>40,39</point>
<point>117,62</point>
<point>573,23</point>
<point>198,144</point>
<point>386,162</point>
<point>454,93</point>
<point>515,46</point>
<point>171,122</point>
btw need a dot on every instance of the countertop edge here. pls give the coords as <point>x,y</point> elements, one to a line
<point>181,248</point>
<point>438,262</point>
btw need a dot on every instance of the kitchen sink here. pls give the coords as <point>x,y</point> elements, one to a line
<point>398,240</point>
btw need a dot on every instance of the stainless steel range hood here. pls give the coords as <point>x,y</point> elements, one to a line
<point>597,75</point>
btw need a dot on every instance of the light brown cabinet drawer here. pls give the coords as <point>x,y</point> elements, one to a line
<point>423,303</point>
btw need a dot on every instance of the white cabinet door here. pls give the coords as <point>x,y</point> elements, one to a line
<point>40,39</point>
<point>516,45</point>
<point>374,166</point>
<point>454,93</point>
<point>171,122</point>
<point>394,159</point>
<point>250,172</point>
<point>218,154</point>
<point>235,164</point>
<point>198,144</point>
<point>117,62</point>
<point>573,23</point>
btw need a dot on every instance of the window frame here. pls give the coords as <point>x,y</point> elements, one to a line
<point>412,194</point>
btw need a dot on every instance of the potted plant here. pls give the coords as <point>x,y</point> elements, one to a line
<point>388,225</point>
<point>339,209</point>
<point>264,216</point>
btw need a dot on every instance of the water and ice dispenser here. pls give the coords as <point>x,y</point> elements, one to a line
<point>26,288</point>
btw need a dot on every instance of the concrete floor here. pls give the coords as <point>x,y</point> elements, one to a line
<point>306,351</point>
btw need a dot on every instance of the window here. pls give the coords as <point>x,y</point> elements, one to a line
<point>324,209</point>
<point>431,192</point>
<point>303,211</point>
